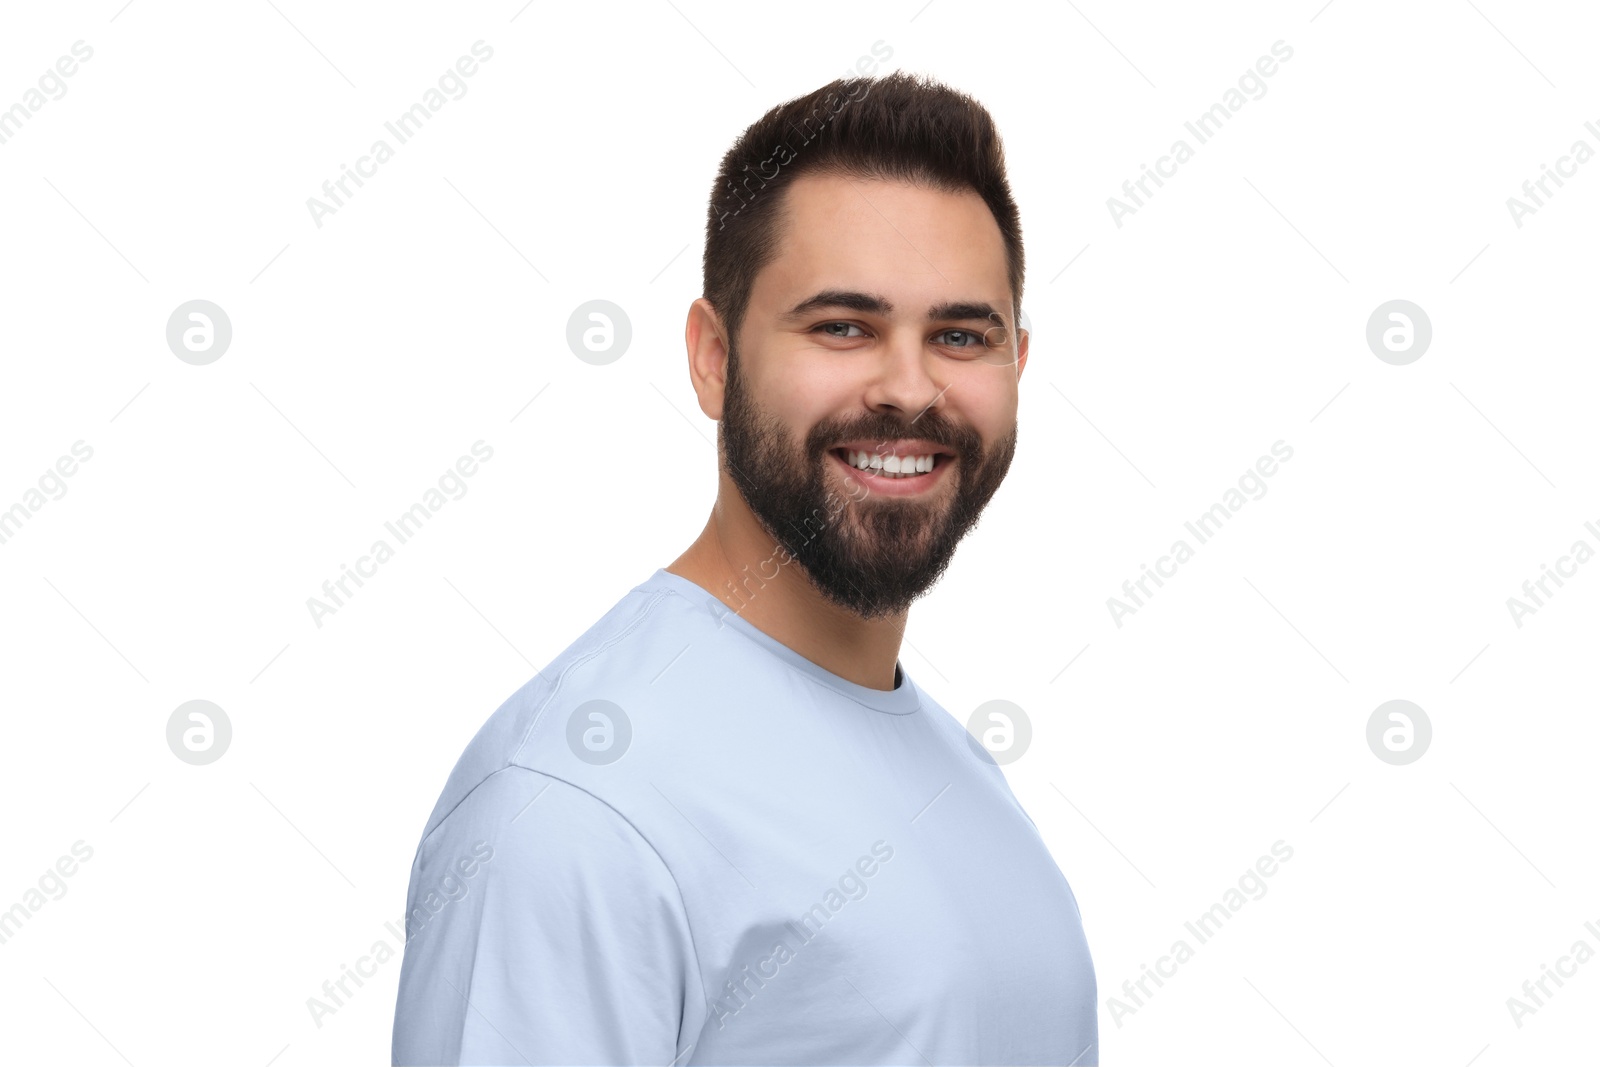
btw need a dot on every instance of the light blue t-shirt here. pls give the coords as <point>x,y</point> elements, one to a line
<point>682,842</point>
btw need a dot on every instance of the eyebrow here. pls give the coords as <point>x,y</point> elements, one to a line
<point>873,304</point>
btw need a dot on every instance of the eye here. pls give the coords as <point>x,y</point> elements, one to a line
<point>966,338</point>
<point>828,329</point>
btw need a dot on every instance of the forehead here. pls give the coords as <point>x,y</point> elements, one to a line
<point>917,245</point>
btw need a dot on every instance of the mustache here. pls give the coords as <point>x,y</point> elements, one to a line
<point>962,441</point>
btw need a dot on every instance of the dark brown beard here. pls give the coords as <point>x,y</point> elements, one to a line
<point>870,555</point>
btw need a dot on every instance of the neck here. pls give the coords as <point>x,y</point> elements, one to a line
<point>739,563</point>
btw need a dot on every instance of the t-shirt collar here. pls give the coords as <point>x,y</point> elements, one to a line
<point>902,700</point>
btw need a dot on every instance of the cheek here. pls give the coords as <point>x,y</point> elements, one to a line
<point>802,397</point>
<point>988,405</point>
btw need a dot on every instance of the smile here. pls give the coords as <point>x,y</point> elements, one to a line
<point>891,466</point>
<point>911,474</point>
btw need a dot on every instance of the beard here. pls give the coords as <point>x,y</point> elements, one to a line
<point>872,555</point>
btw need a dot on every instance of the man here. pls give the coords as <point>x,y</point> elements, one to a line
<point>725,825</point>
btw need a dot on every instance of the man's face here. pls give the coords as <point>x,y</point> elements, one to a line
<point>869,334</point>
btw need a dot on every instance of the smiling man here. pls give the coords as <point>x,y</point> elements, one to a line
<point>726,825</point>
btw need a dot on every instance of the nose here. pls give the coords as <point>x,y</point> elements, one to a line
<point>902,380</point>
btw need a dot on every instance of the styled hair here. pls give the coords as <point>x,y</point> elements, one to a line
<point>900,127</point>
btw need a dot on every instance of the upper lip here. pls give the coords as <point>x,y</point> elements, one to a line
<point>909,447</point>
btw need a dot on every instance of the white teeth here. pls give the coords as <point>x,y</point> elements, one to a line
<point>890,466</point>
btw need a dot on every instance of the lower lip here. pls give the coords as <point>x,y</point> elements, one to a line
<point>885,485</point>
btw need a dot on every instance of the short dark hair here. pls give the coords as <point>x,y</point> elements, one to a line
<point>900,126</point>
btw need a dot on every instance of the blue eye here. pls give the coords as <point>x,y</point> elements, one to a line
<point>953,338</point>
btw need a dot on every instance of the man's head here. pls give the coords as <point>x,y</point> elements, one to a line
<point>863,277</point>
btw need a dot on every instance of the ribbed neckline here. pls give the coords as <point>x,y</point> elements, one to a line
<point>902,700</point>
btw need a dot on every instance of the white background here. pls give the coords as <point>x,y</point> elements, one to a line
<point>1168,354</point>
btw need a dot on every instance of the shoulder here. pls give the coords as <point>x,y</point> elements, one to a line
<point>580,709</point>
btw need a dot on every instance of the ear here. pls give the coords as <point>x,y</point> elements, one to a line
<point>706,341</point>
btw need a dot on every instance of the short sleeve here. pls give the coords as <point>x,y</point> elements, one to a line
<point>542,928</point>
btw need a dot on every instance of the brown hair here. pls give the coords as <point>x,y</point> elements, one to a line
<point>901,126</point>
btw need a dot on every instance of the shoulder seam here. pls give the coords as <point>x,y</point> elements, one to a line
<point>683,905</point>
